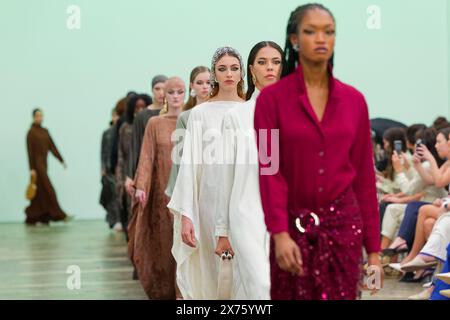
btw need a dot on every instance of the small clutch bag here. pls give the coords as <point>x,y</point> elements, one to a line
<point>32,188</point>
<point>225,282</point>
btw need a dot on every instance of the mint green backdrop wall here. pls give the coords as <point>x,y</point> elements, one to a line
<point>78,75</point>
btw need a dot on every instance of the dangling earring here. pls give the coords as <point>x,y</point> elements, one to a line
<point>193,94</point>
<point>296,47</point>
<point>254,79</point>
<point>213,84</point>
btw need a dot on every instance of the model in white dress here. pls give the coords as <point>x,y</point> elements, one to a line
<point>240,216</point>
<point>195,196</point>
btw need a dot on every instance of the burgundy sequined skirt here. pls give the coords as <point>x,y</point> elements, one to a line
<point>331,248</point>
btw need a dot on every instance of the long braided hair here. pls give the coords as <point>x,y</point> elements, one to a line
<point>295,19</point>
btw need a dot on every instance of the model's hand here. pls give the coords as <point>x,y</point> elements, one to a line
<point>288,254</point>
<point>129,186</point>
<point>376,271</point>
<point>187,231</point>
<point>141,197</point>
<point>223,244</point>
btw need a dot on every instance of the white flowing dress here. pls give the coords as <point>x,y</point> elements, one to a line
<point>241,216</point>
<point>195,196</point>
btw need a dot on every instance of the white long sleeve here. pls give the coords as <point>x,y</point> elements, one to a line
<point>411,182</point>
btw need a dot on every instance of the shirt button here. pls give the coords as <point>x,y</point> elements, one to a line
<point>320,189</point>
<point>321,209</point>
<point>321,171</point>
<point>321,153</point>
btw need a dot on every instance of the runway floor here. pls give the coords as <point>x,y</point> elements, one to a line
<point>34,264</point>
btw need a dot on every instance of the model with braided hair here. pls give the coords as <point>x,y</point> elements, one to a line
<point>291,49</point>
<point>318,192</point>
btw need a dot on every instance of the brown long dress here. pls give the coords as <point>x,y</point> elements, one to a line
<point>151,227</point>
<point>125,134</point>
<point>44,207</point>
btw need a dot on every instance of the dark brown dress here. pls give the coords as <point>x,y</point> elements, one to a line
<point>44,207</point>
<point>151,227</point>
<point>125,133</point>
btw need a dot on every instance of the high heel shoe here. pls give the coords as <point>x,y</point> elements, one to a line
<point>390,252</point>
<point>418,264</point>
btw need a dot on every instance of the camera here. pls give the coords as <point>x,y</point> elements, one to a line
<point>419,143</point>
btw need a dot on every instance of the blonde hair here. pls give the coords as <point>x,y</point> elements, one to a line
<point>172,81</point>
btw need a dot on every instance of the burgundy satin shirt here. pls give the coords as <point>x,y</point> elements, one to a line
<point>318,160</point>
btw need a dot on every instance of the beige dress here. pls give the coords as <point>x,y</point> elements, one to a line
<point>151,227</point>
